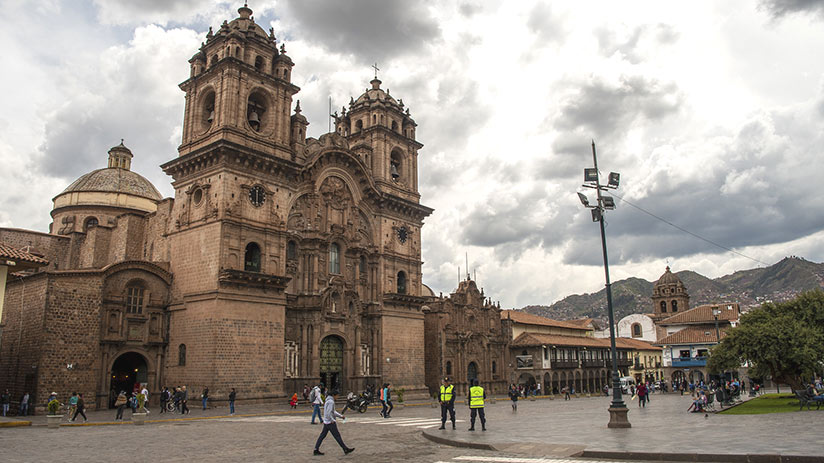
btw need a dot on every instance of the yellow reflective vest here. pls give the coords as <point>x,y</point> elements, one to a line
<point>446,393</point>
<point>476,397</point>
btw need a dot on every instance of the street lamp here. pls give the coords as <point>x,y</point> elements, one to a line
<point>617,409</point>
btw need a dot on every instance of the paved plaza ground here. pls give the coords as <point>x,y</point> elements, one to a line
<point>541,431</point>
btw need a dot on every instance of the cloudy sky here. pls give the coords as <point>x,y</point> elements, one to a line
<point>713,113</point>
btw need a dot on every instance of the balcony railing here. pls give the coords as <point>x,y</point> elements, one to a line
<point>594,363</point>
<point>564,364</point>
<point>689,362</point>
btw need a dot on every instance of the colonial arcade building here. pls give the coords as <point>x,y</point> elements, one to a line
<point>281,260</point>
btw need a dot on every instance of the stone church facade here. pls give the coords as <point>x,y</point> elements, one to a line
<point>281,260</point>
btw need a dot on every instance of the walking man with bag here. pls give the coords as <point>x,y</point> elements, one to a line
<point>476,405</point>
<point>329,424</point>
<point>314,397</point>
<point>447,401</point>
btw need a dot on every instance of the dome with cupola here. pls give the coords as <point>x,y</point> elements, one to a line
<point>113,186</point>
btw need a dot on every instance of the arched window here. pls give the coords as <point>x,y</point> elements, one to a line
<point>134,299</point>
<point>374,119</point>
<point>675,306</point>
<point>448,368</point>
<point>291,250</point>
<point>494,367</point>
<point>663,307</point>
<point>181,355</point>
<point>394,126</point>
<point>636,330</point>
<point>259,63</point>
<point>359,125</point>
<point>334,258</point>
<point>252,258</point>
<point>401,282</point>
<point>362,265</point>
<point>91,222</point>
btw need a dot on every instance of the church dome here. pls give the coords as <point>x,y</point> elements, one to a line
<point>115,185</point>
<point>245,24</point>
<point>669,278</point>
<point>375,95</point>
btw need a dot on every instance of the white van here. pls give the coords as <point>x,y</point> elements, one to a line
<point>626,382</point>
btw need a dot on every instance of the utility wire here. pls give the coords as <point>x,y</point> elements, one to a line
<point>689,232</point>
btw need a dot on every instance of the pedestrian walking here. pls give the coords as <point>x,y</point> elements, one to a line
<point>513,395</point>
<point>641,391</point>
<point>145,392</point>
<point>81,408</point>
<point>24,405</point>
<point>164,399</point>
<point>447,401</point>
<point>476,405</point>
<point>120,404</point>
<point>314,398</point>
<point>387,400</point>
<point>205,396</point>
<point>5,399</point>
<point>184,400</point>
<point>330,425</point>
<point>72,404</point>
<point>565,390</point>
<point>232,396</point>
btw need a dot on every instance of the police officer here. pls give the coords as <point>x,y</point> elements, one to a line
<point>447,401</point>
<point>476,405</point>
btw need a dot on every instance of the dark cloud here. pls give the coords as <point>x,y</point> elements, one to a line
<point>370,29</point>
<point>747,196</point>
<point>469,9</point>
<point>781,8</point>
<point>602,109</point>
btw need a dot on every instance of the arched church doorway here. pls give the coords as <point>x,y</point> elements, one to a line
<point>331,362</point>
<point>471,372</point>
<point>129,371</point>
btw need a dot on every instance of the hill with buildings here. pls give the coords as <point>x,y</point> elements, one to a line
<point>778,282</point>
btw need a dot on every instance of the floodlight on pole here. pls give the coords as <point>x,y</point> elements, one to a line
<point>617,409</point>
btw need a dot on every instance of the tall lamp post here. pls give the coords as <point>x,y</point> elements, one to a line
<point>617,409</point>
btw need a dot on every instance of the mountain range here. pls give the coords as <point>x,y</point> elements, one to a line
<point>750,288</point>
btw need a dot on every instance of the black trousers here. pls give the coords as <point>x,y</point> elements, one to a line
<point>450,407</point>
<point>163,406</point>
<point>120,411</point>
<point>479,411</point>
<point>387,408</point>
<point>327,428</point>
<point>79,411</point>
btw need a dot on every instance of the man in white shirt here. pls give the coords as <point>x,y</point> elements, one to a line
<point>145,393</point>
<point>314,396</point>
<point>329,424</point>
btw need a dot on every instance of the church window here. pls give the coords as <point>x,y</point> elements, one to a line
<point>675,306</point>
<point>448,368</point>
<point>636,330</point>
<point>359,125</point>
<point>401,282</point>
<point>374,119</point>
<point>91,222</point>
<point>197,196</point>
<point>494,367</point>
<point>134,299</point>
<point>259,63</point>
<point>663,307</point>
<point>181,355</point>
<point>334,258</point>
<point>252,258</point>
<point>208,110</point>
<point>394,126</point>
<point>362,265</point>
<point>213,61</point>
<point>291,250</point>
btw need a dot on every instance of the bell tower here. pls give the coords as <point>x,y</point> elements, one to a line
<point>239,90</point>
<point>381,130</point>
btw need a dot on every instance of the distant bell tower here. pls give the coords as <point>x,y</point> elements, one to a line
<point>382,132</point>
<point>239,90</point>
<point>669,296</point>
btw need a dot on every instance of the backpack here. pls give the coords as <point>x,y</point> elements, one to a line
<point>382,389</point>
<point>313,395</point>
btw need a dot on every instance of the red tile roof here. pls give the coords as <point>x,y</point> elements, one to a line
<point>703,314</point>
<point>21,258</point>
<point>537,339</point>
<point>692,335</point>
<point>519,316</point>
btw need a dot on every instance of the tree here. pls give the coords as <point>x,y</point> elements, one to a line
<point>782,340</point>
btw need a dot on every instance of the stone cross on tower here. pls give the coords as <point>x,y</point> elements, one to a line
<point>376,68</point>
